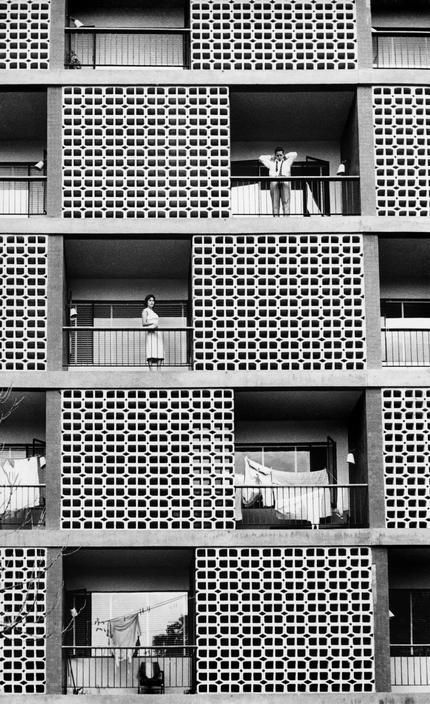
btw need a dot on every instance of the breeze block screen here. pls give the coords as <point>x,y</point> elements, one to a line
<point>406,437</point>
<point>278,302</point>
<point>23,295</point>
<point>23,620</point>
<point>24,34</point>
<point>284,620</point>
<point>138,152</point>
<point>402,150</point>
<point>147,459</point>
<point>295,35</point>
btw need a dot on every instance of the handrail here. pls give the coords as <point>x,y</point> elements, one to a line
<point>295,178</point>
<point>299,486</point>
<point>405,329</point>
<point>23,178</point>
<point>399,31</point>
<point>22,486</point>
<point>129,30</point>
<point>80,328</point>
<point>137,648</point>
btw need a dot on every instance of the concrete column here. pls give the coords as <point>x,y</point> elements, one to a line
<point>53,459</point>
<point>381,620</point>
<point>56,302</point>
<point>375,464</point>
<point>366,150</point>
<point>54,622</point>
<point>54,153</point>
<point>57,34</point>
<point>364,34</point>
<point>372,300</point>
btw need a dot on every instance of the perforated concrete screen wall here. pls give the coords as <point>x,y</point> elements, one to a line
<point>23,295</point>
<point>284,620</point>
<point>147,459</point>
<point>233,34</point>
<point>137,152</point>
<point>24,34</point>
<point>279,302</point>
<point>23,591</point>
<point>406,429</point>
<point>402,150</point>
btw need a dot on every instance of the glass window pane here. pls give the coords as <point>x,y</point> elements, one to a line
<point>282,459</point>
<point>318,458</point>
<point>239,458</point>
<point>416,309</point>
<point>391,309</point>
<point>400,622</point>
<point>303,460</point>
<point>163,615</point>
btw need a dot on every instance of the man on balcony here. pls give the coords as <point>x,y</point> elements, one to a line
<point>279,165</point>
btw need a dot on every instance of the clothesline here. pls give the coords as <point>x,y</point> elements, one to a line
<point>145,609</point>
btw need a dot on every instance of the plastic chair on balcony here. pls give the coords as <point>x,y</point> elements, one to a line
<point>150,685</point>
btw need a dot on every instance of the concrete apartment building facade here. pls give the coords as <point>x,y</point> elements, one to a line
<point>270,478</point>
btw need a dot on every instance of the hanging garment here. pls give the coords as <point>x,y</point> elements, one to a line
<point>257,476</point>
<point>123,632</point>
<point>19,484</point>
<point>298,495</point>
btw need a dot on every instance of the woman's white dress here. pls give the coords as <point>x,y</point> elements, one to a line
<point>154,338</point>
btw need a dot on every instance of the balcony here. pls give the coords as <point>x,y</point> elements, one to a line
<point>405,302</point>
<point>314,195</point>
<point>117,35</point>
<point>409,620</point>
<point>22,153</point>
<point>22,464</point>
<point>147,593</point>
<point>324,178</point>
<point>313,481</point>
<point>102,332</point>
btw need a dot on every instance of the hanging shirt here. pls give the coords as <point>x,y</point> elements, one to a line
<point>123,632</point>
<point>281,167</point>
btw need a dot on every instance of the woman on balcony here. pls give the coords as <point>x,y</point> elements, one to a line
<point>279,164</point>
<point>154,340</point>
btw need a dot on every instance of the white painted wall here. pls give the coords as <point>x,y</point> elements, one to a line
<point>128,289</point>
<point>406,288</point>
<point>330,151</point>
<point>156,14</point>
<point>405,20</point>
<point>21,150</point>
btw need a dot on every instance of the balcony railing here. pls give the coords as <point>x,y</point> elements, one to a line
<point>410,666</point>
<point>22,506</point>
<point>333,506</point>
<point>92,670</point>
<point>127,347</point>
<point>399,48</point>
<point>313,195</point>
<point>405,348</point>
<point>22,195</point>
<point>103,47</point>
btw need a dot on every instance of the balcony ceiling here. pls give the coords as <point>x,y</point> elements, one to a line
<point>295,405</point>
<point>124,569</point>
<point>404,259</point>
<point>119,259</point>
<point>288,115</point>
<point>22,115</point>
